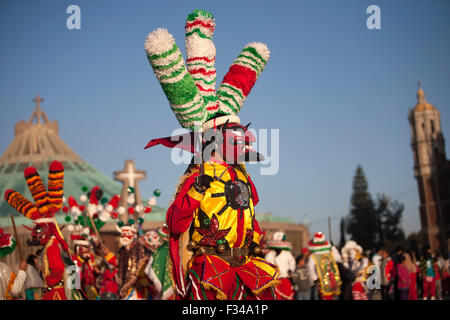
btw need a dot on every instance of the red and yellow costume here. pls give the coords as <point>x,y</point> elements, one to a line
<point>108,287</point>
<point>53,271</point>
<point>86,265</point>
<point>213,208</point>
<point>218,218</point>
<point>46,231</point>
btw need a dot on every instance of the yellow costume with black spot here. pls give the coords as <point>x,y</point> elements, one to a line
<point>231,203</point>
<point>223,216</point>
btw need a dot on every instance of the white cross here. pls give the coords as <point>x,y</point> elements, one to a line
<point>129,176</point>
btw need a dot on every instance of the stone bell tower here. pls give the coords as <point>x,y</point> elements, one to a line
<point>432,171</point>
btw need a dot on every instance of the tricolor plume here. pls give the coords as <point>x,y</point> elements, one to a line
<point>241,77</point>
<point>21,204</point>
<point>177,83</point>
<point>191,90</point>
<point>55,185</point>
<point>46,204</point>
<point>201,56</point>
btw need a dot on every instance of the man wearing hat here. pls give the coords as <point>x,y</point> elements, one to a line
<point>85,261</point>
<point>131,261</point>
<point>280,254</point>
<point>158,267</point>
<point>55,255</point>
<point>323,268</point>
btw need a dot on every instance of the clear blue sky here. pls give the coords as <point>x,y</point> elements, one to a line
<point>338,92</point>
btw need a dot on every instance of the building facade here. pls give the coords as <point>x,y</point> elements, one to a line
<point>432,172</point>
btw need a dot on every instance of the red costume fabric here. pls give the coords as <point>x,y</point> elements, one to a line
<point>250,279</point>
<point>358,291</point>
<point>179,217</point>
<point>284,290</point>
<point>45,232</point>
<point>54,268</point>
<point>219,209</point>
<point>108,283</point>
<point>389,270</point>
<point>429,287</point>
<point>413,285</point>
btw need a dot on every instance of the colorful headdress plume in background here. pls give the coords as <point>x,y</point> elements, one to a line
<point>47,202</point>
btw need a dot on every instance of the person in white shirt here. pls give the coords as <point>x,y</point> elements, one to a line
<point>10,283</point>
<point>280,254</point>
<point>352,257</point>
<point>33,282</point>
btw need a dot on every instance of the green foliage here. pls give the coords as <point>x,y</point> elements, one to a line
<point>361,222</point>
<point>374,224</point>
<point>342,229</point>
<point>389,215</point>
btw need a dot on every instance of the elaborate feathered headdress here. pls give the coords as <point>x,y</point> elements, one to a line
<point>47,203</point>
<point>191,88</point>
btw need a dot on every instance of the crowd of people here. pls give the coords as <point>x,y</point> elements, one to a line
<point>377,275</point>
<point>141,269</point>
<point>138,270</point>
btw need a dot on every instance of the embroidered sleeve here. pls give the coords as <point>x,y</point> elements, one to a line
<point>180,213</point>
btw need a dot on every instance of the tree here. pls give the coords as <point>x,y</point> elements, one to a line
<point>380,208</point>
<point>342,228</point>
<point>361,222</point>
<point>389,215</point>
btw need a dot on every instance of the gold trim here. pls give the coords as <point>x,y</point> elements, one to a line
<point>338,277</point>
<point>45,259</point>
<point>272,283</point>
<point>132,282</point>
<point>220,295</point>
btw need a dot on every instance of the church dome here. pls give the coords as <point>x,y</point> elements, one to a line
<point>37,143</point>
<point>422,103</point>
